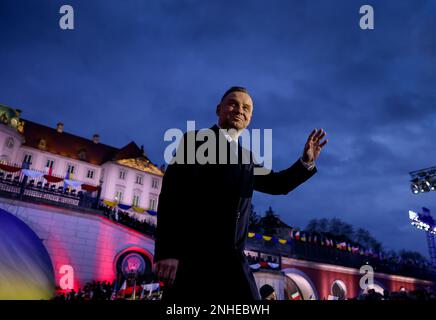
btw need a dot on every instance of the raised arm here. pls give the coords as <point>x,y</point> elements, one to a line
<point>284,181</point>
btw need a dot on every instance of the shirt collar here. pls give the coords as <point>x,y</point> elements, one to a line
<point>228,137</point>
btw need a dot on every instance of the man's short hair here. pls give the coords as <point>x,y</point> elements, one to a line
<point>234,89</point>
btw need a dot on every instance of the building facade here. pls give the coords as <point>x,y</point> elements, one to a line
<point>122,177</point>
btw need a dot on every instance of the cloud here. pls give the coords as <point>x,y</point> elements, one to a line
<point>131,71</point>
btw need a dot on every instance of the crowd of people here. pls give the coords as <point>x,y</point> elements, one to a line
<point>95,290</point>
<point>104,290</point>
<point>402,295</point>
<point>124,218</point>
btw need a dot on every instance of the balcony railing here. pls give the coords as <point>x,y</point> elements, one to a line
<point>317,253</point>
<point>18,185</point>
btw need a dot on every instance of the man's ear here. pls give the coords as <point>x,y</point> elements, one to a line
<point>217,111</point>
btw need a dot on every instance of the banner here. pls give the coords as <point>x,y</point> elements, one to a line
<point>52,179</point>
<point>32,173</point>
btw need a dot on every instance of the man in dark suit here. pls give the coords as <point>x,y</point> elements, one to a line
<point>204,210</point>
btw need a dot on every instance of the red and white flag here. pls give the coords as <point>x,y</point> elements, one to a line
<point>296,296</point>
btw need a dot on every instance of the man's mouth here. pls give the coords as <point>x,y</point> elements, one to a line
<point>237,118</point>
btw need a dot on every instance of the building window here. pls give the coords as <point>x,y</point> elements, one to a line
<point>10,143</point>
<point>42,144</point>
<point>90,174</point>
<point>49,164</point>
<point>28,158</point>
<point>135,201</point>
<point>152,204</point>
<point>155,183</point>
<point>70,168</point>
<point>119,196</point>
<point>139,179</point>
<point>122,175</point>
<point>82,154</point>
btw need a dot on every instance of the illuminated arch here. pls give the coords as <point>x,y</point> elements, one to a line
<point>339,289</point>
<point>144,252</point>
<point>303,284</point>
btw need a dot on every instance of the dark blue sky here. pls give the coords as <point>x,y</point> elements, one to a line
<point>132,69</point>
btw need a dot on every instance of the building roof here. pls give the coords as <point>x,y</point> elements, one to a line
<point>69,145</point>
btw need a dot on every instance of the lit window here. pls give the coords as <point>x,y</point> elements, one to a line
<point>152,204</point>
<point>135,201</point>
<point>119,196</point>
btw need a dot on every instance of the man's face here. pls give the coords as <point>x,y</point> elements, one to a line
<point>235,111</point>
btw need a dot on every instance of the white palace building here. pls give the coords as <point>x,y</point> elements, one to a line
<point>60,166</point>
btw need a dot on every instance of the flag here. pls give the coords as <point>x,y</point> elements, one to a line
<point>134,290</point>
<point>341,246</point>
<point>263,264</point>
<point>255,266</point>
<point>303,237</point>
<point>124,286</point>
<point>142,296</point>
<point>114,291</point>
<point>314,239</point>
<point>49,168</point>
<point>297,235</point>
<point>25,165</point>
<point>273,265</point>
<point>67,177</point>
<point>296,296</point>
<point>291,234</point>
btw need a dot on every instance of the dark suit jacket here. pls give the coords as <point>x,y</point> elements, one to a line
<point>202,220</point>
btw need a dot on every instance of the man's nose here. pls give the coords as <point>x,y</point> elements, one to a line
<point>238,109</point>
